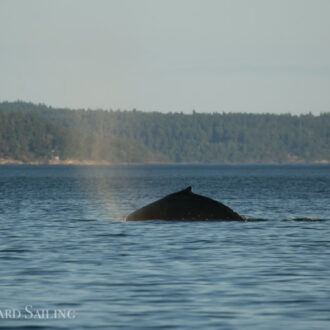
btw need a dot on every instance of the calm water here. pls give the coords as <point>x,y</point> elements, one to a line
<point>64,252</point>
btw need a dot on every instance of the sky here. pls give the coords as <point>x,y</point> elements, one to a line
<point>167,55</point>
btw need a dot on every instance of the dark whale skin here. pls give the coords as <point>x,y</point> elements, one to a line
<point>184,205</point>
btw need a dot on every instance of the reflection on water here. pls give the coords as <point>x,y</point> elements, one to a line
<point>61,248</point>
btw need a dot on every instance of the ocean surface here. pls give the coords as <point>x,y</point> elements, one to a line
<point>67,261</point>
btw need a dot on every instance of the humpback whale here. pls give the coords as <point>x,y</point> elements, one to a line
<point>184,205</point>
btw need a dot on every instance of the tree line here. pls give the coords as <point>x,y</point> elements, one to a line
<point>31,132</point>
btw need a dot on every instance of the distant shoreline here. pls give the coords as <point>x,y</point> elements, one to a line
<point>38,134</point>
<point>77,162</point>
<point>73,162</point>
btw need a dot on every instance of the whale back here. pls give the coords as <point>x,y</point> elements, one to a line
<point>184,205</point>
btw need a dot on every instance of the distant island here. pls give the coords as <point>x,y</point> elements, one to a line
<point>39,134</point>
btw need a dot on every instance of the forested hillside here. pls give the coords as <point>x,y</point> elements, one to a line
<point>30,132</point>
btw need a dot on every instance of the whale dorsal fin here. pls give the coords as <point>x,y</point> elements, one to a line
<point>183,192</point>
<point>187,190</point>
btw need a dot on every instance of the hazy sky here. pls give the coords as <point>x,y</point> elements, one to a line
<point>167,55</point>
